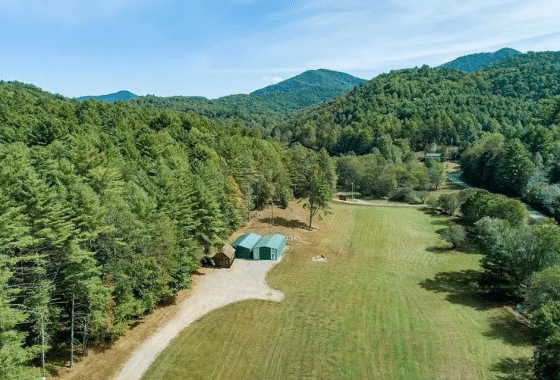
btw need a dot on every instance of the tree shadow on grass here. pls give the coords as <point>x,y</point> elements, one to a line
<point>446,222</point>
<point>514,369</point>
<point>283,222</point>
<point>436,249</point>
<point>462,287</point>
<point>509,330</point>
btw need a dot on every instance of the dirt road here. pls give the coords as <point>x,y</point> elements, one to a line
<point>244,280</point>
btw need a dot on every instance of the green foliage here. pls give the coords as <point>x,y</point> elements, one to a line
<point>14,356</point>
<point>473,62</point>
<point>264,108</point>
<point>544,289</point>
<point>454,234</point>
<point>547,358</point>
<point>313,178</point>
<point>514,253</point>
<point>543,300</point>
<point>508,260</point>
<point>478,204</point>
<point>373,175</point>
<point>449,203</point>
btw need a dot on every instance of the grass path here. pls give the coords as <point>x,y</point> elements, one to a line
<point>388,304</point>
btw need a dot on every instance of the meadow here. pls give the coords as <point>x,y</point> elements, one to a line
<point>391,302</point>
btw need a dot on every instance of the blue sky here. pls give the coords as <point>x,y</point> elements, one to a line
<point>222,47</point>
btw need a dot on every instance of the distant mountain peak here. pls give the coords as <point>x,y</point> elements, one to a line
<point>110,98</point>
<point>321,78</point>
<point>473,62</point>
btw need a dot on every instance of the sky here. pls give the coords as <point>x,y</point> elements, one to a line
<point>214,48</point>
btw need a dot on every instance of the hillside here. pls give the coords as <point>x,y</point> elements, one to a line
<point>266,106</point>
<point>433,105</point>
<point>473,62</point>
<point>111,98</point>
<point>322,78</point>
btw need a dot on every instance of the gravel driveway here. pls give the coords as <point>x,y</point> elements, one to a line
<point>244,280</point>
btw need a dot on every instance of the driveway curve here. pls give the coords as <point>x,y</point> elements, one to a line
<point>244,280</point>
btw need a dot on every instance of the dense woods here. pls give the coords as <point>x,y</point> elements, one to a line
<point>264,108</point>
<point>105,210</point>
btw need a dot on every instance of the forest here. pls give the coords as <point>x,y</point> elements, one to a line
<point>106,209</point>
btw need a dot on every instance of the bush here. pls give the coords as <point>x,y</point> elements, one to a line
<point>404,194</point>
<point>547,358</point>
<point>455,235</point>
<point>481,203</point>
<point>449,203</point>
<point>423,196</point>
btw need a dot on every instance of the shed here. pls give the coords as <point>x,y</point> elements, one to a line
<point>270,247</point>
<point>221,259</point>
<point>433,156</point>
<point>224,258</point>
<point>244,245</point>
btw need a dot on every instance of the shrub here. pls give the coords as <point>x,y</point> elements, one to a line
<point>455,235</point>
<point>404,194</point>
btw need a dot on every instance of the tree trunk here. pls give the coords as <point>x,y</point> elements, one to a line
<point>43,344</point>
<point>310,214</point>
<point>72,334</point>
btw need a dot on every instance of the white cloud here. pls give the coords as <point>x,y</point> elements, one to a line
<point>356,35</point>
<point>273,80</point>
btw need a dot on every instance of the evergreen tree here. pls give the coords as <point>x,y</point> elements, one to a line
<point>14,356</point>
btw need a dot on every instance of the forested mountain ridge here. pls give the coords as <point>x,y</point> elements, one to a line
<point>433,105</point>
<point>264,107</point>
<point>473,62</point>
<point>110,98</point>
<point>323,78</point>
<point>106,209</point>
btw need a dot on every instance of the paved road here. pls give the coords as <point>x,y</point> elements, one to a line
<point>244,280</point>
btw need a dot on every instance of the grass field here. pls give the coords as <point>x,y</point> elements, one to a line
<point>390,303</point>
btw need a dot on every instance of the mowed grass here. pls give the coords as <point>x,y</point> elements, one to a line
<point>388,304</point>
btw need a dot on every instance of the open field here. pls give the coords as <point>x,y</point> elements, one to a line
<point>389,303</point>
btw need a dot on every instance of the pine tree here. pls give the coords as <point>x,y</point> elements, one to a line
<point>13,355</point>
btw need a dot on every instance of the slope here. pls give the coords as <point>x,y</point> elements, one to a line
<point>432,105</point>
<point>111,98</point>
<point>266,105</point>
<point>322,78</point>
<point>473,62</point>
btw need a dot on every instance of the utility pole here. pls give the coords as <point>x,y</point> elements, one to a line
<point>352,190</point>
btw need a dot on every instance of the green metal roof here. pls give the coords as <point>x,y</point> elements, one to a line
<point>246,241</point>
<point>271,241</point>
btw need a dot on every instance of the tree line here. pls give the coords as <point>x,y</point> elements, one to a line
<point>520,263</point>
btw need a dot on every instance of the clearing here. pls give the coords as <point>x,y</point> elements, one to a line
<point>390,303</point>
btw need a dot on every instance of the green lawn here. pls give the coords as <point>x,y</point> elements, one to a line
<point>388,304</point>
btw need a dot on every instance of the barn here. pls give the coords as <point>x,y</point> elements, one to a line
<point>244,245</point>
<point>270,247</point>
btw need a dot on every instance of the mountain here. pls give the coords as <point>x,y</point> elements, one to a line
<point>322,78</point>
<point>473,62</point>
<point>111,98</point>
<point>430,105</point>
<point>267,105</point>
